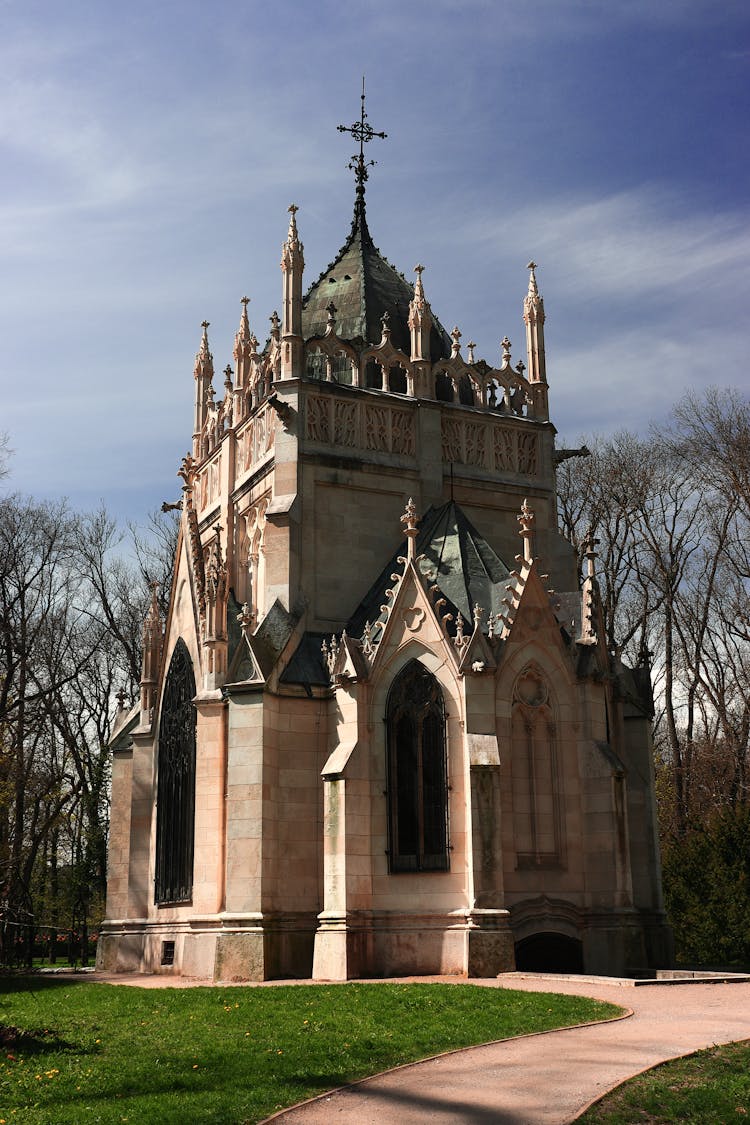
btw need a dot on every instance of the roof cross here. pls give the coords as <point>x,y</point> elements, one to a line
<point>363,132</point>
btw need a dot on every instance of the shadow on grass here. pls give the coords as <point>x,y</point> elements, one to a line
<point>38,982</point>
<point>14,1039</point>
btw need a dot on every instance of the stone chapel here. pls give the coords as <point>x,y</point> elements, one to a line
<point>379,732</point>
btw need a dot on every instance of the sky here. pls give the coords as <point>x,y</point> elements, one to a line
<point>149,152</point>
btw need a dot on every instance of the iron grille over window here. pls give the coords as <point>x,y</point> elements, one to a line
<point>175,803</point>
<point>417,772</point>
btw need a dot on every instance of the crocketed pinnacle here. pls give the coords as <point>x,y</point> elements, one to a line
<point>204,361</point>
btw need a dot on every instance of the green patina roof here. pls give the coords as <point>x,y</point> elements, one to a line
<point>363,285</point>
<point>456,558</point>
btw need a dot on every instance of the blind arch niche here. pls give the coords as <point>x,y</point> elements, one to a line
<point>175,801</point>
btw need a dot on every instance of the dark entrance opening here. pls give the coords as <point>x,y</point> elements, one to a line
<point>549,953</point>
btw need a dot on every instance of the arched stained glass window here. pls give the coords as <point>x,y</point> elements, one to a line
<point>175,802</point>
<point>417,772</point>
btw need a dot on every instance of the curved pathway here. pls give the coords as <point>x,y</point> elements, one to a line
<point>548,1078</point>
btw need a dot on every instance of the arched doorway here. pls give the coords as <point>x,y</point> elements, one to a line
<point>549,952</point>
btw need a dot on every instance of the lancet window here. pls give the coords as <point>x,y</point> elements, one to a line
<point>397,380</point>
<point>373,375</point>
<point>341,368</point>
<point>315,367</point>
<point>175,802</point>
<point>443,387</point>
<point>417,772</point>
<point>465,391</point>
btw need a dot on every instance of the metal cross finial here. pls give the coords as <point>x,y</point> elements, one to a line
<point>363,132</point>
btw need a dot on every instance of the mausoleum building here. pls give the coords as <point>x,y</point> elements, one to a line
<point>379,731</point>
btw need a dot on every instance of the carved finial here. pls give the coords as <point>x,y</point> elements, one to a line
<point>386,331</point>
<point>505,345</point>
<point>245,617</point>
<point>410,520</point>
<point>330,653</point>
<point>187,470</point>
<point>292,236</point>
<point>470,350</point>
<point>275,324</point>
<point>478,613</point>
<point>526,521</point>
<point>204,360</point>
<point>418,289</point>
<point>367,646</point>
<point>331,310</point>
<point>228,377</point>
<point>460,640</point>
<point>456,346</point>
<point>520,367</point>
<point>121,696</point>
<point>533,290</point>
<point>244,331</point>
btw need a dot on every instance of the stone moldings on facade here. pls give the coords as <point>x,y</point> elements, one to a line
<point>405,747</point>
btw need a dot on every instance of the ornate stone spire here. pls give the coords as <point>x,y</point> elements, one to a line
<point>204,373</point>
<point>204,361</point>
<point>590,590</point>
<point>420,321</point>
<point>215,621</point>
<point>533,315</point>
<point>292,266</point>
<point>151,657</point>
<point>526,524</point>
<point>242,349</point>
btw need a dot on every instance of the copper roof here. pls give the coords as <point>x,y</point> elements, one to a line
<point>363,285</point>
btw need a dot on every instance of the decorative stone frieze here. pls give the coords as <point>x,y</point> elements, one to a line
<point>378,427</point>
<point>490,444</point>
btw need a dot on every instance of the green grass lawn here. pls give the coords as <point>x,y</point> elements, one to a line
<point>711,1087</point>
<point>87,1052</point>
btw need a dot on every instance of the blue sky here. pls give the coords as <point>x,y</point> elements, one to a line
<point>150,151</point>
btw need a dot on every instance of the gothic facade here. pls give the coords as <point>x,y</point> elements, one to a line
<point>379,731</point>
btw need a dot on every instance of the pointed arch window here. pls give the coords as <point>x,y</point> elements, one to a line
<point>175,802</point>
<point>443,387</point>
<point>417,772</point>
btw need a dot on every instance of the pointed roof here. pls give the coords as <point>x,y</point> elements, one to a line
<point>363,285</point>
<point>456,558</point>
